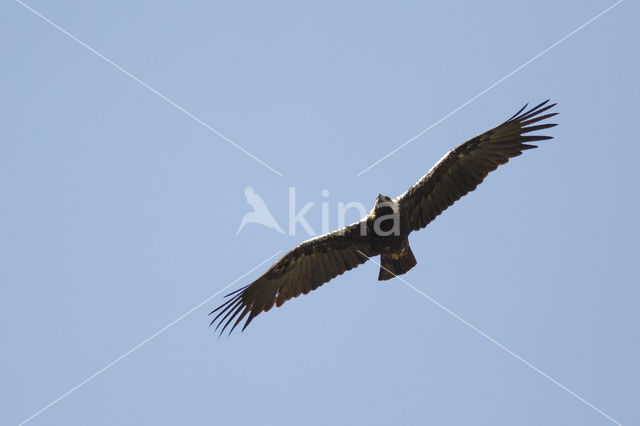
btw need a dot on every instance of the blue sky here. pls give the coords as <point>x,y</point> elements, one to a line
<point>119,212</point>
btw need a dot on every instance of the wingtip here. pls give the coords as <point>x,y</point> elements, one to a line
<point>251,317</point>
<point>519,111</point>
<point>524,114</point>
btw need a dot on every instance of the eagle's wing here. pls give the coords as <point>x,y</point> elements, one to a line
<point>462,169</point>
<point>305,268</point>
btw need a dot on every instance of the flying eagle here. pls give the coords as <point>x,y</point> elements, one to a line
<point>386,229</point>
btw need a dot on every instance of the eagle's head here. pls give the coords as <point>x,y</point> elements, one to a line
<point>381,198</point>
<point>385,205</point>
<point>386,216</point>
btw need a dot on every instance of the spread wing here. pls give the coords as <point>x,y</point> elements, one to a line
<point>305,268</point>
<point>462,169</point>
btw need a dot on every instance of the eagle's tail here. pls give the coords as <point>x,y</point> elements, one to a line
<point>393,264</point>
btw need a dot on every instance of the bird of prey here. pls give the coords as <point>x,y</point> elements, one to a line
<point>385,230</point>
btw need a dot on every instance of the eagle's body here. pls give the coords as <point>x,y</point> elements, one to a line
<point>392,243</point>
<point>386,229</point>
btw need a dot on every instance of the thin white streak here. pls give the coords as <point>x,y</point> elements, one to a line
<point>145,341</point>
<point>494,341</point>
<point>490,87</point>
<point>145,85</point>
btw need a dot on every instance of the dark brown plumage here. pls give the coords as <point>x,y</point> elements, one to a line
<point>385,230</point>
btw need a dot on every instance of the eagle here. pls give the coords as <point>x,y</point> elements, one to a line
<point>385,230</point>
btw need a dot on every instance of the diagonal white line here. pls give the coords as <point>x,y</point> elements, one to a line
<point>145,341</point>
<point>494,341</point>
<point>490,87</point>
<point>145,85</point>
